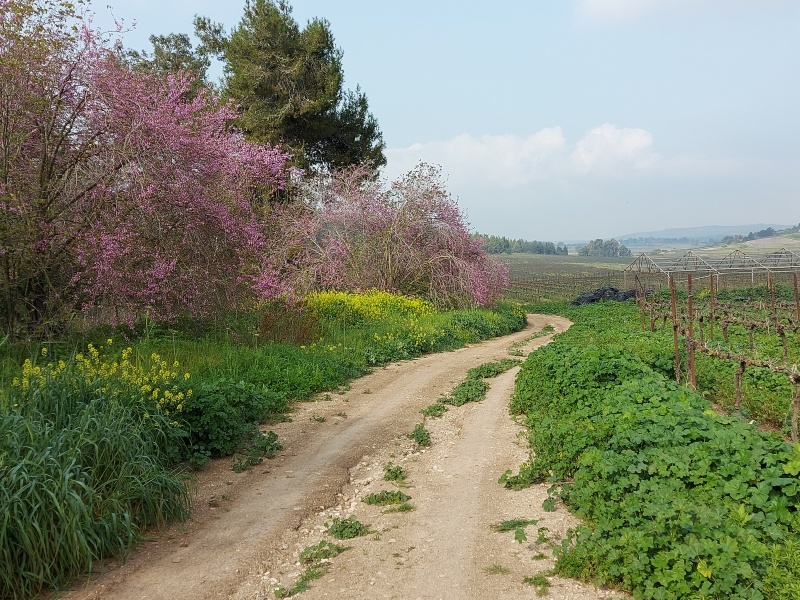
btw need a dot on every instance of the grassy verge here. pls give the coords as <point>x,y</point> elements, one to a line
<point>678,501</point>
<point>86,468</point>
<point>93,442</point>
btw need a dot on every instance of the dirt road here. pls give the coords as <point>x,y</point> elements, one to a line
<point>248,529</point>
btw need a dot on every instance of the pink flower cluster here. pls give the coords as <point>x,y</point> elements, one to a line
<point>119,191</point>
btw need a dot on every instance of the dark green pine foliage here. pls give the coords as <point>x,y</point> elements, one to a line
<point>288,82</point>
<point>172,53</point>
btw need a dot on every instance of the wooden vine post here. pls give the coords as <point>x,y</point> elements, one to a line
<point>652,317</point>
<point>782,335</point>
<point>796,296</point>
<point>690,344</point>
<point>713,306</point>
<point>771,287</point>
<point>642,301</point>
<point>795,405</point>
<point>738,385</point>
<point>675,326</point>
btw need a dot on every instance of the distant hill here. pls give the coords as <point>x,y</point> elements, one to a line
<point>708,233</point>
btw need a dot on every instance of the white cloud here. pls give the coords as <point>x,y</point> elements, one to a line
<point>511,161</point>
<point>618,9</point>
<point>610,181</point>
<point>500,159</point>
<point>608,149</point>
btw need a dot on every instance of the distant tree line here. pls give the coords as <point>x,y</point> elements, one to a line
<point>495,244</point>
<point>609,248</point>
<point>753,235</point>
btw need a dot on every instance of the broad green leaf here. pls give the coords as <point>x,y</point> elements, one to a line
<point>704,569</point>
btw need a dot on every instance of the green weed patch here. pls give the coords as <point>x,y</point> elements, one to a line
<point>470,390</point>
<point>677,500</point>
<point>399,508</point>
<point>392,472</point>
<point>420,436</point>
<point>321,551</point>
<point>345,529</point>
<point>385,498</point>
<point>314,558</point>
<point>517,526</point>
<point>539,582</point>
<point>473,388</point>
<point>435,410</point>
<point>512,524</point>
<point>492,369</point>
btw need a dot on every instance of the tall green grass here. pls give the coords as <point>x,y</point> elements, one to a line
<point>82,477</point>
<point>347,345</point>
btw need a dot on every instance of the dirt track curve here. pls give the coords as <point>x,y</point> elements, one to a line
<point>248,529</point>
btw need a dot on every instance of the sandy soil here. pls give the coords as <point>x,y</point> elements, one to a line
<point>248,529</point>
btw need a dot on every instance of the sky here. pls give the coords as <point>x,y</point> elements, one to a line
<point>573,119</point>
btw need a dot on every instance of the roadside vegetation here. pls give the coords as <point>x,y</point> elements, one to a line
<point>97,443</point>
<point>678,500</point>
<point>172,283</point>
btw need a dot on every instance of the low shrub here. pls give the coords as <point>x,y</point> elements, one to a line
<point>219,415</point>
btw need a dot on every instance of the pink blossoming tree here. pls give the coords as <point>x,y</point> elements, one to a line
<point>410,238</point>
<point>123,192</point>
<point>119,191</point>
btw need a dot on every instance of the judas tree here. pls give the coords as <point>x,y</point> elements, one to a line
<point>410,238</point>
<point>120,191</point>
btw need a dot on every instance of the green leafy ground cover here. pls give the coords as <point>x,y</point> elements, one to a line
<point>678,501</point>
<point>767,396</point>
<point>94,443</point>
